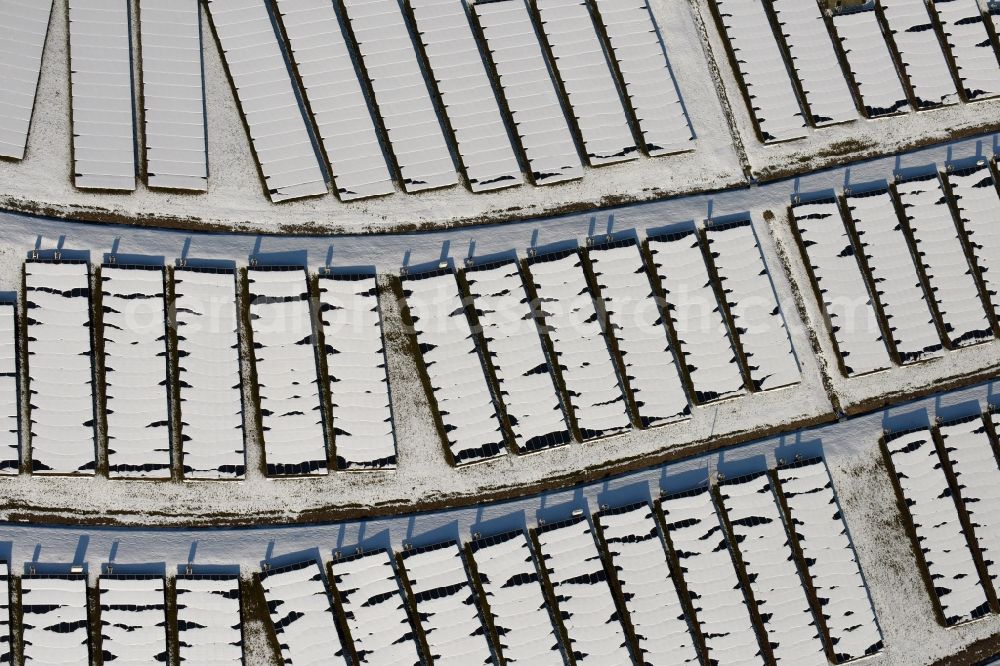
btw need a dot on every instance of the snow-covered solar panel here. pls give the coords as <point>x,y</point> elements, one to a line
<point>26,23</point>
<point>55,620</point>
<point>941,539</point>
<point>508,576</point>
<point>811,49</point>
<point>697,317</point>
<point>833,262</point>
<point>830,559</point>
<point>173,94</point>
<point>977,201</point>
<point>706,566</point>
<point>637,325</point>
<point>633,541</point>
<point>920,52</point>
<point>355,362</point>
<point>10,406</point>
<point>401,94</point>
<point>133,619</point>
<point>945,263</point>
<point>645,73</point>
<point>753,305</point>
<point>571,320</point>
<point>977,474</point>
<point>57,298</point>
<point>100,50</point>
<point>336,99</point>
<point>766,553</point>
<point>529,91</point>
<point>580,584</point>
<point>446,605</point>
<point>519,362</point>
<point>291,412</point>
<point>897,284</point>
<point>454,367</point>
<point>6,648</point>
<point>467,94</point>
<point>971,48</point>
<point>209,623</point>
<point>772,98</point>
<point>263,87</point>
<point>209,374</point>
<point>375,609</point>
<point>302,615</point>
<point>586,77</point>
<point>135,372</point>
<point>870,62</point>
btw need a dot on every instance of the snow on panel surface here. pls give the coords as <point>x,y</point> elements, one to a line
<point>26,23</point>
<point>586,77</point>
<point>529,91</point>
<point>932,510</point>
<point>570,314</point>
<point>302,615</point>
<point>336,98</point>
<point>647,582</point>
<point>897,284</point>
<point>697,317</point>
<point>978,202</point>
<point>974,463</point>
<point>970,46</point>
<point>133,620</point>
<point>846,300</point>
<point>823,83</point>
<point>637,324</point>
<point>6,650</point>
<point>758,56</point>
<point>54,614</point>
<point>753,305</point>
<point>945,263</point>
<point>518,359</point>
<point>446,606</point>
<point>832,564</point>
<point>209,370</point>
<point>375,609</point>
<point>291,414</point>
<point>209,629</point>
<point>645,72</point>
<point>580,585</point>
<point>263,86</point>
<point>454,368</point>
<point>766,552</point>
<point>9,404</point>
<point>355,361</point>
<point>920,51</point>
<point>508,575</point>
<point>870,62</point>
<point>101,94</point>
<point>707,568</point>
<point>467,94</point>
<point>135,372</point>
<point>992,8</point>
<point>401,93</point>
<point>59,367</point>
<point>172,91</point>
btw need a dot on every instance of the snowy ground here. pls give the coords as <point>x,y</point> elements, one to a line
<point>850,447</point>
<point>724,146</point>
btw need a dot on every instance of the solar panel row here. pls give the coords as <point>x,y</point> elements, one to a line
<point>660,584</point>
<point>360,94</point>
<point>902,269</point>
